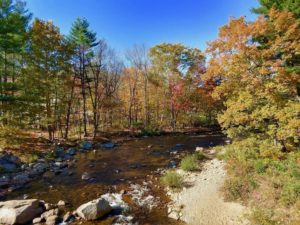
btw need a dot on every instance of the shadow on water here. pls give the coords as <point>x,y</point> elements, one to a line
<point>113,170</point>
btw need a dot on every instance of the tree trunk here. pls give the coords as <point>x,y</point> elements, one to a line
<point>69,108</point>
<point>82,73</point>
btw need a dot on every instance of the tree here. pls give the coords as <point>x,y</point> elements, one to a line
<point>259,80</point>
<point>176,63</point>
<point>45,76</point>
<point>103,80</point>
<point>138,58</point>
<point>14,19</point>
<point>283,5</point>
<point>83,40</point>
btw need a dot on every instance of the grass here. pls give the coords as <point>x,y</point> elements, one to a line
<point>172,180</point>
<point>191,162</point>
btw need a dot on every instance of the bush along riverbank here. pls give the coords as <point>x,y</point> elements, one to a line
<point>266,178</point>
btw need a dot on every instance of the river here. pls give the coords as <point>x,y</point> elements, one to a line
<point>132,162</point>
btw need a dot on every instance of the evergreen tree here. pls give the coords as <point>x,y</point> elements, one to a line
<point>83,40</point>
<point>14,19</point>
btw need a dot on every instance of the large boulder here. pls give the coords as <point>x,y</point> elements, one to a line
<point>20,211</point>
<point>94,210</point>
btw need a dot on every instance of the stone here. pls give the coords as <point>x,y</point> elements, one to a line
<point>49,206</point>
<point>19,211</point>
<point>37,220</point>
<point>40,167</point>
<point>51,212</point>
<point>67,217</point>
<point>52,220</point>
<point>61,203</point>
<point>8,167</point>
<point>174,215</point>
<point>199,149</point>
<point>94,210</point>
<point>108,145</point>
<point>71,151</point>
<point>4,181</point>
<point>86,176</point>
<point>21,178</point>
<point>86,145</point>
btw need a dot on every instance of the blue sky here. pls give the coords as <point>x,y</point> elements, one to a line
<point>124,23</point>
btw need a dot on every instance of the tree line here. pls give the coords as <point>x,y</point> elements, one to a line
<point>76,85</point>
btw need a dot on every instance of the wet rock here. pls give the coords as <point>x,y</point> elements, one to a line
<point>179,145</point>
<point>175,149</point>
<point>86,145</point>
<point>72,151</point>
<point>19,211</point>
<point>109,145</point>
<point>21,178</point>
<point>68,157</point>
<point>172,164</point>
<point>4,181</point>
<point>94,210</point>
<point>116,202</point>
<point>86,176</point>
<point>61,165</point>
<point>9,162</point>
<point>40,168</point>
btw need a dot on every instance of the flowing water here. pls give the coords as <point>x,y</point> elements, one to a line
<point>114,170</point>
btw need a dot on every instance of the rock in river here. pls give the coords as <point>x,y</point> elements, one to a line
<point>20,211</point>
<point>94,210</point>
<point>86,176</point>
<point>108,145</point>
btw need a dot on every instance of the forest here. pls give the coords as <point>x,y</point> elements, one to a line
<point>59,88</point>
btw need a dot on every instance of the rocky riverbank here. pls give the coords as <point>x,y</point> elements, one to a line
<point>16,174</point>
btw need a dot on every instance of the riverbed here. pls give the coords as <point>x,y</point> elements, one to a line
<point>134,162</point>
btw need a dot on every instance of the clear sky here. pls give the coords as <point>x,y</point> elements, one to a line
<point>124,23</point>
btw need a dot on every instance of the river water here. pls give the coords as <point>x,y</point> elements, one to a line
<point>113,170</point>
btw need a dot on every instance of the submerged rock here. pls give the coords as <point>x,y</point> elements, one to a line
<point>109,145</point>
<point>94,210</point>
<point>19,211</point>
<point>86,145</point>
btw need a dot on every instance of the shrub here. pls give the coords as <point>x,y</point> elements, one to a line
<point>262,217</point>
<point>260,166</point>
<point>172,180</point>
<point>189,163</point>
<point>199,155</point>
